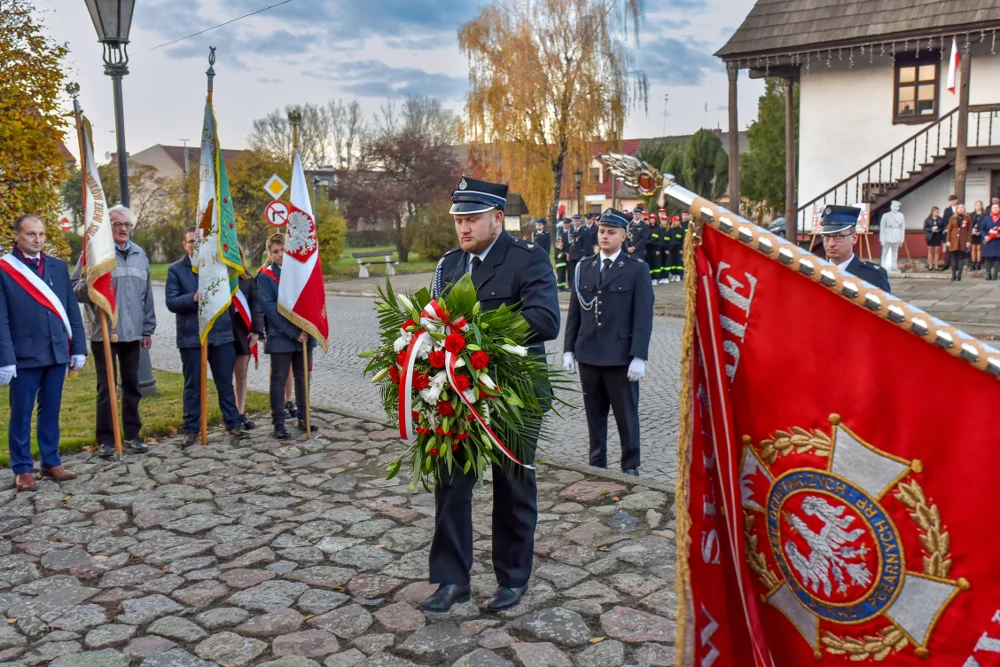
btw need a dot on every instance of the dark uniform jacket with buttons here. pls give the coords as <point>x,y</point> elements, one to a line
<point>591,240</point>
<point>31,335</point>
<point>619,321</point>
<point>871,273</point>
<point>578,238</point>
<point>514,271</point>
<point>638,235</point>
<point>543,239</point>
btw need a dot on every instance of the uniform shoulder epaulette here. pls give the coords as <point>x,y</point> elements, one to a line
<point>872,265</point>
<point>452,251</point>
<point>530,246</point>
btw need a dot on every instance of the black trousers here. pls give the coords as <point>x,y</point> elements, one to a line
<point>281,362</point>
<point>992,267</point>
<point>571,271</point>
<point>957,263</point>
<point>515,513</point>
<point>604,387</point>
<point>127,357</point>
<point>653,258</point>
<point>561,276</point>
<point>221,359</point>
<point>676,262</point>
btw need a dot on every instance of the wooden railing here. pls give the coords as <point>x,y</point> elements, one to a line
<point>923,148</point>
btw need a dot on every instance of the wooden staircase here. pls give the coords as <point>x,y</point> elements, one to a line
<point>910,164</point>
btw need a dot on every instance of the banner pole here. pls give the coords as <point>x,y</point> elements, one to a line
<point>305,370</point>
<point>204,393</point>
<point>109,368</point>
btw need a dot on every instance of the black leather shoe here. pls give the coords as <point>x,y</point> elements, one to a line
<point>248,424</point>
<point>302,426</point>
<point>135,447</point>
<point>291,409</point>
<point>445,596</point>
<point>631,471</point>
<point>189,440</point>
<point>505,598</point>
<point>281,432</point>
<point>106,451</point>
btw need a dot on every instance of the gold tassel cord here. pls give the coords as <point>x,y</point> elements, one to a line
<point>682,583</point>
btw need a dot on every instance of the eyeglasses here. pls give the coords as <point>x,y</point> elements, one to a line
<point>122,225</point>
<point>191,242</point>
<point>836,238</point>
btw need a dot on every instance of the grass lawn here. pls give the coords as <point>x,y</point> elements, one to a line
<point>159,271</point>
<point>162,413</point>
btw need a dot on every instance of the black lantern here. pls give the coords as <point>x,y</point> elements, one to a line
<point>578,178</point>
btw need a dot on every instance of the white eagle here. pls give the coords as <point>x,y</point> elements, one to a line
<point>831,548</point>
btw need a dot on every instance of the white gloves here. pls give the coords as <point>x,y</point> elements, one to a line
<point>569,362</point>
<point>636,369</point>
<point>77,361</point>
<point>7,373</point>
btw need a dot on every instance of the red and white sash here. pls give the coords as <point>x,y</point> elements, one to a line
<point>243,308</point>
<point>35,287</point>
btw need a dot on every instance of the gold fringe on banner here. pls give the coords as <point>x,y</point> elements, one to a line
<point>682,584</point>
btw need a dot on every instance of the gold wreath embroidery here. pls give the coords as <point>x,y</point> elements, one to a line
<point>799,441</point>
<point>933,536</point>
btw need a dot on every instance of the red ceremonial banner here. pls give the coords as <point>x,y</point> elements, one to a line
<point>837,462</point>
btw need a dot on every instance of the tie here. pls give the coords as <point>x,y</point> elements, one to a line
<point>604,271</point>
<point>34,262</point>
<point>476,263</point>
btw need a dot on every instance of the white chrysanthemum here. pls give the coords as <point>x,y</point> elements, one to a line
<point>402,342</point>
<point>425,347</point>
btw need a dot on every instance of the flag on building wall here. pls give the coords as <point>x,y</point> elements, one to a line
<point>831,510</point>
<point>217,253</point>
<point>98,259</point>
<point>953,63</point>
<point>301,294</point>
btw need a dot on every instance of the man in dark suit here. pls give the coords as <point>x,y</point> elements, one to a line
<point>41,335</point>
<point>590,247</point>
<point>839,237</point>
<point>607,337</point>
<point>182,299</point>
<point>541,237</point>
<point>577,240</point>
<point>506,271</point>
<point>638,236</point>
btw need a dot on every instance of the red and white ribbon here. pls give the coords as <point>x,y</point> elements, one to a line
<point>435,315</point>
<point>35,287</point>
<point>243,308</point>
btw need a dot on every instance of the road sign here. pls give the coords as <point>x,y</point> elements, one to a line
<point>276,213</point>
<point>275,186</point>
<point>64,224</point>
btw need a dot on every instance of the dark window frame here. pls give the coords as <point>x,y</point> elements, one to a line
<point>930,57</point>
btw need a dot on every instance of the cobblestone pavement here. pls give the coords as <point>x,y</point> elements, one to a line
<point>300,554</point>
<point>338,383</point>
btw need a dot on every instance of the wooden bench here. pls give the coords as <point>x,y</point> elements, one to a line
<point>363,264</point>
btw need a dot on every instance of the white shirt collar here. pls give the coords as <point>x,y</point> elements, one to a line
<point>611,257</point>
<point>843,265</point>
<point>29,256</point>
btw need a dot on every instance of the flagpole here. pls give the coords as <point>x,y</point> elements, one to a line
<point>294,119</point>
<point>210,72</point>
<point>109,361</point>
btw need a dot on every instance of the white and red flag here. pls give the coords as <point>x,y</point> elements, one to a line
<point>301,295</point>
<point>953,63</point>
<point>98,257</point>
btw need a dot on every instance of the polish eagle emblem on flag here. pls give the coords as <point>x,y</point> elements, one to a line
<point>830,523</point>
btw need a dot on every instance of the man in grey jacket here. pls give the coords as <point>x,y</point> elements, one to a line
<point>136,323</point>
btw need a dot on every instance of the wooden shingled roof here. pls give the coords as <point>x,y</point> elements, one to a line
<point>786,26</point>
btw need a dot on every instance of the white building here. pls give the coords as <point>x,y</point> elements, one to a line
<point>876,119</point>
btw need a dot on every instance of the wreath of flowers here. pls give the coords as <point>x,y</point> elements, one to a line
<point>459,381</point>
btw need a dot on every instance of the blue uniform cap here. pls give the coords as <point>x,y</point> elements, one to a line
<point>472,196</point>
<point>838,219</point>
<point>613,218</point>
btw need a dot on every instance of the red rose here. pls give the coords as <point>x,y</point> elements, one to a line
<point>394,375</point>
<point>421,380</point>
<point>445,409</point>
<point>416,415</point>
<point>401,358</point>
<point>407,324</point>
<point>454,343</point>
<point>462,382</point>
<point>434,452</point>
<point>437,359</point>
<point>479,360</point>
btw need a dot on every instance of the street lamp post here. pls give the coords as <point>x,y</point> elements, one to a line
<point>315,182</point>
<point>112,20</point>
<point>578,178</point>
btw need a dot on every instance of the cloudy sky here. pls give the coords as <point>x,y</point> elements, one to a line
<point>372,50</point>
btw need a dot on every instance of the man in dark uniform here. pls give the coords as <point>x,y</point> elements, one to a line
<point>577,239</point>
<point>506,271</point>
<point>638,237</point>
<point>41,334</point>
<point>541,237</point>
<point>839,237</point>
<point>590,248</point>
<point>685,219</point>
<point>607,336</point>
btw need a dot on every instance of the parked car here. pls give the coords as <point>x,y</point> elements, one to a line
<point>777,226</point>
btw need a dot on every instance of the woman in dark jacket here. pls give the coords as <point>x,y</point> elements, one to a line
<point>245,336</point>
<point>991,244</point>
<point>934,233</point>
<point>976,258</point>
